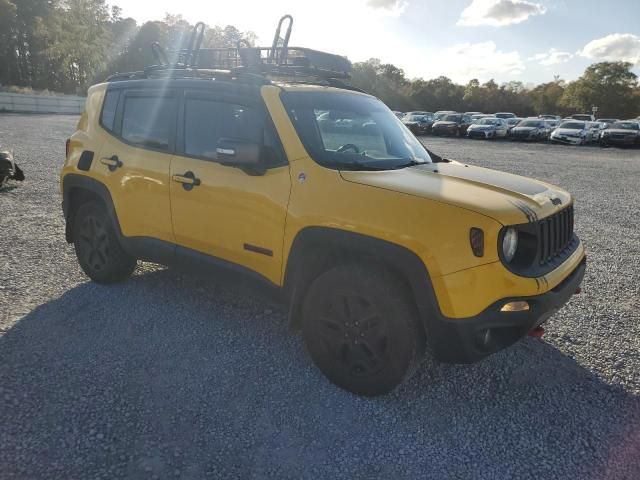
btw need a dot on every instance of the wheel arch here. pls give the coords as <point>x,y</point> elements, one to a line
<point>317,249</point>
<point>78,189</point>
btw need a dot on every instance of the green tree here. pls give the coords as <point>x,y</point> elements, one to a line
<point>610,86</point>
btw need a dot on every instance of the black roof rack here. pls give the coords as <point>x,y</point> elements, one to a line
<point>245,62</point>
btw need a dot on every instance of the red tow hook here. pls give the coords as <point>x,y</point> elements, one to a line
<point>537,332</point>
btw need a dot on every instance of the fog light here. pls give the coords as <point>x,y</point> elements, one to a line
<point>520,306</point>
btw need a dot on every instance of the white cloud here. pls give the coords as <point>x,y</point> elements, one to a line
<point>617,46</point>
<point>483,61</point>
<point>498,13</point>
<point>552,57</point>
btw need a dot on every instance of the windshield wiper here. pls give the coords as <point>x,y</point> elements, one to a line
<point>410,163</point>
<point>354,165</point>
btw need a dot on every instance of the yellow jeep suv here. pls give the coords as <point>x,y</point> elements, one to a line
<point>382,249</point>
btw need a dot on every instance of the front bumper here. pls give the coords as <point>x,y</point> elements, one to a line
<point>623,141</point>
<point>484,134</point>
<point>445,131</point>
<point>569,140</point>
<point>471,339</point>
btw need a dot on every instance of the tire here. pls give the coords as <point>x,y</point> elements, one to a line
<point>97,248</point>
<point>361,329</point>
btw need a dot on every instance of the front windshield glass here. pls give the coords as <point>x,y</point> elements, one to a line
<point>349,131</point>
<point>415,118</point>
<point>573,125</point>
<point>531,123</point>
<point>488,121</point>
<point>451,118</point>
<point>625,126</point>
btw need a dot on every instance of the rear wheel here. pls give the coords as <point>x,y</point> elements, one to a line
<point>361,329</point>
<point>97,248</point>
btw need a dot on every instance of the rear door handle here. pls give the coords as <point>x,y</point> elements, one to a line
<point>112,162</point>
<point>188,180</point>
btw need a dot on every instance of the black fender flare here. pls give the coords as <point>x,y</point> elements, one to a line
<point>72,183</point>
<point>316,249</point>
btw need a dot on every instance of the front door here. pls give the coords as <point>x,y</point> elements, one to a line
<point>234,214</point>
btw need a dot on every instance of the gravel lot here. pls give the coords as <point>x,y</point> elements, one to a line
<point>168,376</point>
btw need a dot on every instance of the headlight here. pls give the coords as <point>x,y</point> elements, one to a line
<point>509,244</point>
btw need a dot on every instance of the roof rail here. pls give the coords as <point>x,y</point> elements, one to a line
<point>243,60</point>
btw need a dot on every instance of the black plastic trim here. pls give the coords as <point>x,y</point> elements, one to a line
<point>84,163</point>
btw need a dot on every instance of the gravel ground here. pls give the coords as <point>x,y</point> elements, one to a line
<point>168,376</point>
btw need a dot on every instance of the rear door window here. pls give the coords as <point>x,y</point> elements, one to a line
<point>149,120</point>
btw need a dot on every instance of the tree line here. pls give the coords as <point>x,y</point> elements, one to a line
<point>67,45</point>
<point>611,86</point>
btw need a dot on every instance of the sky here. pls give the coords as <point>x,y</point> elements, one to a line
<point>508,40</point>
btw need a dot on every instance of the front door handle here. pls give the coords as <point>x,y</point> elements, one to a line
<point>188,180</point>
<point>112,162</point>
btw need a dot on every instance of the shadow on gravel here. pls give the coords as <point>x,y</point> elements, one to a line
<point>185,378</point>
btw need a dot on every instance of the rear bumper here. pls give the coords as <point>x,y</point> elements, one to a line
<point>471,339</point>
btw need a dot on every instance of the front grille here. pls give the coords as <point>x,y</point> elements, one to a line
<point>476,134</point>
<point>555,234</point>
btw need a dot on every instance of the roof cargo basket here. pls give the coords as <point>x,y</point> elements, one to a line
<point>278,60</point>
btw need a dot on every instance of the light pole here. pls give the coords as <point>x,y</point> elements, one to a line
<point>594,110</point>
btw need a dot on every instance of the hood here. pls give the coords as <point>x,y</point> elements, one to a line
<point>482,127</point>
<point>568,131</point>
<point>621,131</point>
<point>442,123</point>
<point>507,198</point>
<point>526,129</point>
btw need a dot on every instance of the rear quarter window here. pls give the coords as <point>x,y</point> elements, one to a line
<point>108,117</point>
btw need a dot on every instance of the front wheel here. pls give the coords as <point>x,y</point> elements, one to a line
<point>361,329</point>
<point>97,248</point>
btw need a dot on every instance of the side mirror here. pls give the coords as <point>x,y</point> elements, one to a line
<point>238,154</point>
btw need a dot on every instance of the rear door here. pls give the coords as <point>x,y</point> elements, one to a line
<point>231,213</point>
<point>135,158</point>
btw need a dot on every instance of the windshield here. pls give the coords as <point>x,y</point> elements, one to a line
<point>451,118</point>
<point>414,118</point>
<point>349,131</point>
<point>573,125</point>
<point>531,123</point>
<point>625,126</point>
<point>488,121</point>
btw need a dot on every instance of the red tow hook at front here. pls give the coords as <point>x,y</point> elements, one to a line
<point>537,332</point>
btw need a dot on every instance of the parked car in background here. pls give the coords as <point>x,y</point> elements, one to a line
<point>464,124</point>
<point>478,116</point>
<point>625,133</point>
<point>418,124</point>
<point>398,114</point>
<point>441,113</point>
<point>552,125</point>
<point>504,115</point>
<point>488,127</point>
<point>448,125</point>
<point>596,130</point>
<point>585,117</point>
<point>531,129</point>
<point>549,117</point>
<point>471,114</point>
<point>572,132</point>
<point>512,122</point>
<point>608,121</point>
